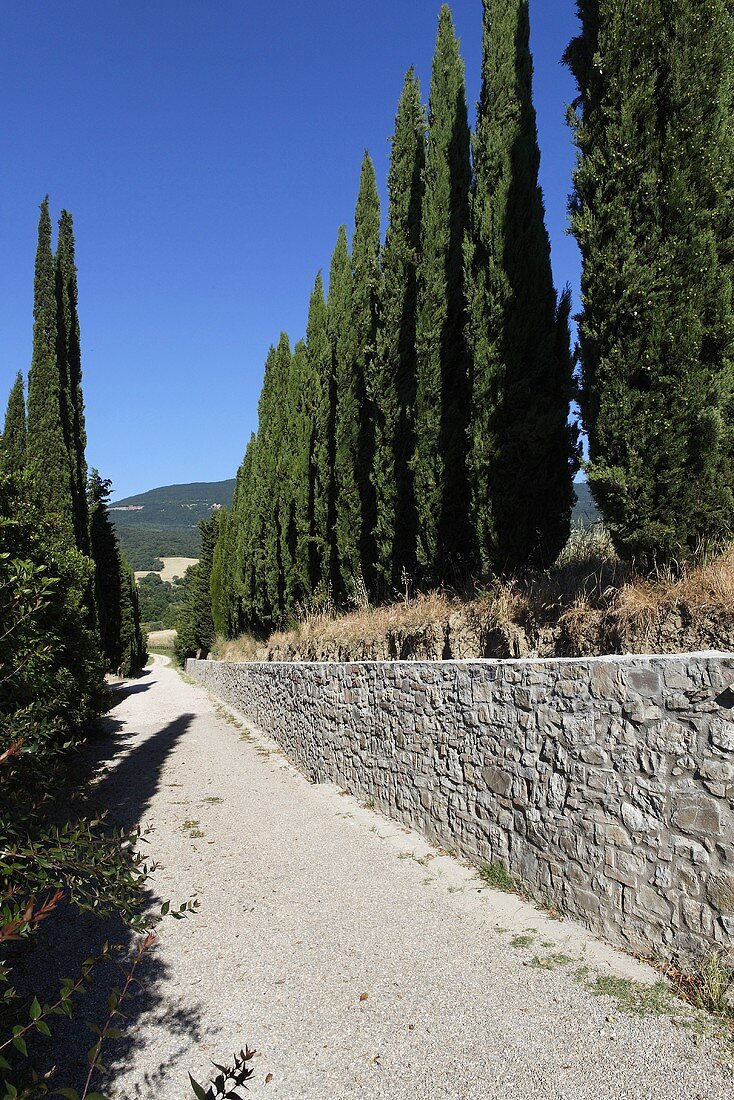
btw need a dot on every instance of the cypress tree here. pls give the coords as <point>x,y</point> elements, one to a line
<point>237,598</point>
<point>118,611</point>
<point>652,213</point>
<point>297,520</point>
<point>14,431</point>
<point>522,451</point>
<point>365,290</point>
<point>277,439</point>
<point>70,371</point>
<point>348,514</point>
<point>323,559</point>
<point>442,399</point>
<point>395,378</point>
<point>48,459</point>
<point>218,597</point>
<point>195,626</point>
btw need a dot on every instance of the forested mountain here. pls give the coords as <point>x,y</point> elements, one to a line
<point>163,522</point>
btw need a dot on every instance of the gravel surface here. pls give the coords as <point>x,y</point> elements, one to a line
<point>355,958</point>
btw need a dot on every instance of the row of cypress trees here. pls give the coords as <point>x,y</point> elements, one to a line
<point>421,430</point>
<point>47,444</point>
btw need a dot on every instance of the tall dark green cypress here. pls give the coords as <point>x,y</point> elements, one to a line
<point>297,519</point>
<point>13,443</point>
<point>348,512</point>
<point>218,596</point>
<point>522,450</point>
<point>395,366</point>
<point>323,560</point>
<point>47,453</point>
<point>653,215</point>
<point>118,612</point>
<point>365,296</point>
<point>70,371</point>
<point>444,545</point>
<point>237,575</point>
<point>194,625</point>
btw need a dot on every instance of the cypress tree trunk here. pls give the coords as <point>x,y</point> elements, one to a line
<point>348,513</point>
<point>365,291</point>
<point>14,431</point>
<point>652,212</point>
<point>323,562</point>
<point>70,370</point>
<point>395,368</point>
<point>523,453</point>
<point>48,460</point>
<point>444,548</point>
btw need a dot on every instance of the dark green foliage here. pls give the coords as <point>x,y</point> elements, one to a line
<point>132,642</point>
<point>50,666</point>
<point>365,292</point>
<point>320,395</point>
<point>237,567</point>
<point>13,442</point>
<point>219,615</point>
<point>47,453</point>
<point>272,465</point>
<point>70,371</point>
<point>395,365</point>
<point>653,214</point>
<point>159,602</point>
<point>195,626</point>
<point>348,514</point>
<point>297,511</point>
<point>444,547</point>
<point>118,612</point>
<point>523,453</point>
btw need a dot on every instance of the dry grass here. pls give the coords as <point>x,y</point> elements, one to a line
<point>588,603</point>
<point>162,639</point>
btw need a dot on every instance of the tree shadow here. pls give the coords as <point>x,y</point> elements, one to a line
<point>122,691</point>
<point>125,790</point>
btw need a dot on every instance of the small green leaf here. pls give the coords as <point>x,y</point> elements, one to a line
<point>198,1090</point>
<point>35,1009</point>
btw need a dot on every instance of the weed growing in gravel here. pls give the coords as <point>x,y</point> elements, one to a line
<point>550,962</point>
<point>522,941</point>
<point>211,801</point>
<point>498,877</point>
<point>192,828</point>
<point>708,986</point>
<point>632,997</point>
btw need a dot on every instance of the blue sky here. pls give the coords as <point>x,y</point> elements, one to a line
<point>208,151</point>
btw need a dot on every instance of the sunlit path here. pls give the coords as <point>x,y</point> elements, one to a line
<point>309,902</point>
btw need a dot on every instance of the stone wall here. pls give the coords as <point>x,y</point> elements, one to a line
<point>606,785</point>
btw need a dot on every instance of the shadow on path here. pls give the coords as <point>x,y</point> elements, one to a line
<point>125,790</point>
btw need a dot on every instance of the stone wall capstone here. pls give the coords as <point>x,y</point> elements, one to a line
<point>605,784</point>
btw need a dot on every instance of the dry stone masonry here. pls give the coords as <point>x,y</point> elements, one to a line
<point>606,784</point>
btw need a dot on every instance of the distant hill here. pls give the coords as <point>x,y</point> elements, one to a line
<point>163,522</point>
<point>585,512</point>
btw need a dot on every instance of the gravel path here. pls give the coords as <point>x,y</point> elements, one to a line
<point>309,901</point>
